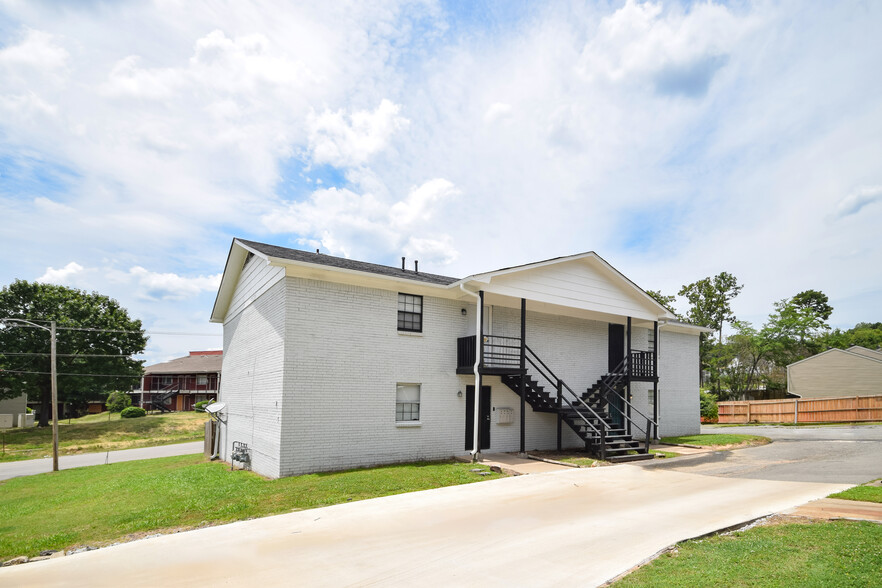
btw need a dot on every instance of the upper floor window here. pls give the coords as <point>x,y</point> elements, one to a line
<point>201,380</point>
<point>410,313</point>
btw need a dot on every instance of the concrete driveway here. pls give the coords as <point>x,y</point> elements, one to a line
<point>838,454</point>
<point>579,526</point>
<point>30,467</point>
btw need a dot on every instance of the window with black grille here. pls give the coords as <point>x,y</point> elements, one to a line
<point>410,313</point>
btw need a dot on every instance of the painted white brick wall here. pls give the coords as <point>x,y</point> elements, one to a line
<point>311,368</point>
<point>252,380</point>
<point>679,411</point>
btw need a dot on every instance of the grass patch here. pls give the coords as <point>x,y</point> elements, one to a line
<point>829,554</point>
<point>717,440</point>
<point>584,462</point>
<point>861,493</point>
<point>94,433</point>
<point>101,504</point>
<point>663,454</point>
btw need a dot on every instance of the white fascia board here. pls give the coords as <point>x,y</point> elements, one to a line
<point>681,327</point>
<point>845,351</point>
<point>229,279</point>
<point>319,271</point>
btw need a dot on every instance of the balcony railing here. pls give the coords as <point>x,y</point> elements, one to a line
<point>501,354</point>
<point>642,364</point>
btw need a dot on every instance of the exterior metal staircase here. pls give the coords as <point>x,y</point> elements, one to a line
<point>164,395</point>
<point>588,414</point>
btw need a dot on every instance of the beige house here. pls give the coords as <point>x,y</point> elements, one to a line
<point>856,371</point>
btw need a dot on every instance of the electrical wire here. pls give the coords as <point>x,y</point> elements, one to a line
<point>2,371</point>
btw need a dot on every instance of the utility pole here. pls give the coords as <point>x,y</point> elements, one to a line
<point>54,372</point>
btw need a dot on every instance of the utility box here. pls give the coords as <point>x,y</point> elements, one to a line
<point>210,430</point>
<point>25,420</point>
<point>5,421</point>
<point>504,416</point>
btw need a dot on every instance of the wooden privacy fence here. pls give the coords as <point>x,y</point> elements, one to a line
<point>798,410</point>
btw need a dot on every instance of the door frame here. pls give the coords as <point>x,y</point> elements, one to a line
<point>484,413</point>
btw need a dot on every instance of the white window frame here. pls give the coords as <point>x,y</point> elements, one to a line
<point>404,406</point>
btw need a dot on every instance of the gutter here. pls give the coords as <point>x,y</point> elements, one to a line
<point>477,412</point>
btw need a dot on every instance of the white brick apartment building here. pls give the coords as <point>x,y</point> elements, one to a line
<point>331,363</point>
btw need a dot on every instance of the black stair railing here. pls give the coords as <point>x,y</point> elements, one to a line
<point>566,395</point>
<point>611,386</point>
<point>642,364</point>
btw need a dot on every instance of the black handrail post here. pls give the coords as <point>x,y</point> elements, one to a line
<point>559,415</point>
<point>480,351</point>
<point>628,369</point>
<point>648,429</point>
<point>523,373</point>
<point>655,377</point>
<point>602,440</point>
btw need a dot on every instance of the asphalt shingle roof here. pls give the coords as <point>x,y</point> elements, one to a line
<point>349,264</point>
<point>191,364</point>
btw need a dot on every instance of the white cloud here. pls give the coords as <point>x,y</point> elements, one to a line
<point>346,223</point>
<point>347,141</point>
<point>497,111</point>
<point>854,202</point>
<point>680,50</point>
<point>171,286</point>
<point>36,51</point>
<point>61,276</point>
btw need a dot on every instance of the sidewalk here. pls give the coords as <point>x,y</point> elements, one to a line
<point>29,467</point>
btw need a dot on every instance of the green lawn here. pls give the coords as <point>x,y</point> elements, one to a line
<point>717,439</point>
<point>94,433</point>
<point>579,461</point>
<point>862,493</point>
<point>663,454</point>
<point>828,555</point>
<point>101,504</point>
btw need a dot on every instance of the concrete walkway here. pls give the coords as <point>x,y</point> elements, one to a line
<point>576,526</point>
<point>29,467</point>
<point>512,464</point>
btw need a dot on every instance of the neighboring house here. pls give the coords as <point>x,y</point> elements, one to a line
<point>331,363</point>
<point>11,409</point>
<point>180,383</point>
<point>856,371</point>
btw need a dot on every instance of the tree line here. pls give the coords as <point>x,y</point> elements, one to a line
<point>750,357</point>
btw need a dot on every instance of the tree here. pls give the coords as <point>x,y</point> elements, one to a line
<point>748,352</point>
<point>797,326</point>
<point>709,306</point>
<point>666,301</point>
<point>95,342</point>
<point>867,335</point>
<point>709,301</point>
<point>116,401</point>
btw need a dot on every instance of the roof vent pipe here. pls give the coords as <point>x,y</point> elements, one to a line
<point>316,251</point>
<point>416,266</point>
<point>402,264</point>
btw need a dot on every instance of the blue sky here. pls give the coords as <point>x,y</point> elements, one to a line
<point>676,139</point>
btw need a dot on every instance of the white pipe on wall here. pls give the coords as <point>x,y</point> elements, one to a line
<point>477,421</point>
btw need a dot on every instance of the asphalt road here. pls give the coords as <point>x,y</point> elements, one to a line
<point>834,454</point>
<point>29,467</point>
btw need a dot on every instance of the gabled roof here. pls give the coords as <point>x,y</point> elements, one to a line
<point>589,256</point>
<point>848,352</point>
<point>195,363</point>
<point>347,269</point>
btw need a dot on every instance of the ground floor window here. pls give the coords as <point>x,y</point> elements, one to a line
<point>407,402</point>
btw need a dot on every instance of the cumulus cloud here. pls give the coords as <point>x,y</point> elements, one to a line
<point>61,276</point>
<point>37,50</point>
<point>344,222</point>
<point>350,140</point>
<point>497,111</point>
<point>679,51</point>
<point>857,200</point>
<point>171,286</point>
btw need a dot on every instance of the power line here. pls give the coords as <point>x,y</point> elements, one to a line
<point>69,374</point>
<point>96,330</point>
<point>73,354</point>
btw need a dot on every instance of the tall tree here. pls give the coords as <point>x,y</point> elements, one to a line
<point>709,306</point>
<point>666,301</point>
<point>95,341</point>
<point>797,326</point>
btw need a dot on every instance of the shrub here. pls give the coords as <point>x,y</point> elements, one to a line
<point>200,406</point>
<point>708,405</point>
<point>117,401</point>
<point>132,412</point>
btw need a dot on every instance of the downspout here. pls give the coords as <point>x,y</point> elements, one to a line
<point>477,370</point>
